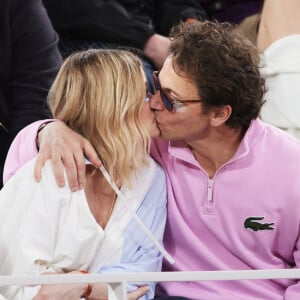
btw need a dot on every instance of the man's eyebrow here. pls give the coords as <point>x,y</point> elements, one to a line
<point>171,92</point>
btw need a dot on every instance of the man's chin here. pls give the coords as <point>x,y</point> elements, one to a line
<point>164,136</point>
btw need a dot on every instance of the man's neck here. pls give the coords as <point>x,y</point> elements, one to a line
<point>217,149</point>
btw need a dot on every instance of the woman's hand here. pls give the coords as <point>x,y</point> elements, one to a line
<point>139,292</point>
<point>66,149</point>
<point>75,291</point>
<point>61,292</point>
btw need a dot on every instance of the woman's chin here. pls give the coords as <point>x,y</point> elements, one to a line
<point>154,132</point>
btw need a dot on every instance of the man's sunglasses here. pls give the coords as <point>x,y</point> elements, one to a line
<point>170,104</point>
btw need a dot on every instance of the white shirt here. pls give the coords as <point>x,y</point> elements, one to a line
<point>45,228</point>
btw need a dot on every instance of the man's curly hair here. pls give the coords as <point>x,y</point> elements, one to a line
<point>224,64</point>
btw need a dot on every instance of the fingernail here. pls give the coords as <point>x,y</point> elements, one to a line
<point>61,184</point>
<point>74,188</point>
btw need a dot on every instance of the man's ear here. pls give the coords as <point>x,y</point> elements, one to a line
<point>219,115</point>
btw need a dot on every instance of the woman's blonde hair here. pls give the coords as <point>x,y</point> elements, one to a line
<point>99,94</point>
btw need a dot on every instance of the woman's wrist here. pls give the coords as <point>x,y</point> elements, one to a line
<point>89,287</point>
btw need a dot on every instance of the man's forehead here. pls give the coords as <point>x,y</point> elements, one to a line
<point>170,75</point>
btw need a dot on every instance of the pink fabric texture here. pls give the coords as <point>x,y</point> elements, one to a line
<point>22,149</point>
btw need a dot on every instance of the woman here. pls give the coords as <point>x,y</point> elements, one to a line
<point>100,94</point>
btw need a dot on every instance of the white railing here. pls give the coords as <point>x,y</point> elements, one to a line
<point>117,282</point>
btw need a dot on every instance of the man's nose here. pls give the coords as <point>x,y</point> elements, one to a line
<point>156,101</point>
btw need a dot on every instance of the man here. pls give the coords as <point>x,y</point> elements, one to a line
<point>227,208</point>
<point>233,181</point>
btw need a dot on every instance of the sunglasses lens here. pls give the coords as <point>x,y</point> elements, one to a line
<point>167,103</point>
<point>156,82</point>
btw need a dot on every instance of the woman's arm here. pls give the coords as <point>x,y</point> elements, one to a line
<point>29,215</point>
<point>99,291</point>
<point>62,291</point>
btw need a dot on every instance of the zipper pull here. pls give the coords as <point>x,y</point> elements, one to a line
<point>210,190</point>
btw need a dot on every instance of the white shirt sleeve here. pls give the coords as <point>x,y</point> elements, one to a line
<point>29,213</point>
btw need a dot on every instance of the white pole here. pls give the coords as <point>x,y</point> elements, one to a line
<point>151,276</point>
<point>117,291</point>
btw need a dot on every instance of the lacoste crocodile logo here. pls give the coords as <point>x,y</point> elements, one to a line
<point>255,226</point>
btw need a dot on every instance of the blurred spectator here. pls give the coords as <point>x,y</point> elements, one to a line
<point>276,32</point>
<point>233,11</point>
<point>279,41</point>
<point>142,24</point>
<point>29,62</point>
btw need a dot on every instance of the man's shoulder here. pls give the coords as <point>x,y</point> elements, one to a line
<point>283,138</point>
<point>278,147</point>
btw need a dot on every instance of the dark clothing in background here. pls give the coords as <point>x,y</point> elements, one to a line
<point>29,61</point>
<point>85,24</point>
<point>233,11</point>
<point>124,22</point>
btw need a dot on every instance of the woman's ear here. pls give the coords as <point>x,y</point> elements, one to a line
<point>219,115</point>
